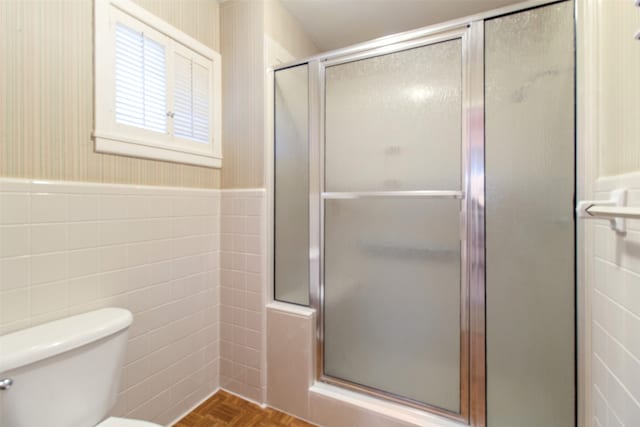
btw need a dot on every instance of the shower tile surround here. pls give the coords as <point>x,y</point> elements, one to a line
<point>243,293</point>
<point>68,248</point>
<point>615,317</point>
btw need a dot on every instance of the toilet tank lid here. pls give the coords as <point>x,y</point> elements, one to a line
<point>50,339</point>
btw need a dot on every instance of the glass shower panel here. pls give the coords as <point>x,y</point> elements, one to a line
<point>392,297</point>
<point>291,236</point>
<point>393,261</point>
<point>394,122</point>
<point>529,218</point>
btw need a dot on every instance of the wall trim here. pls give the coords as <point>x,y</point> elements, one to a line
<point>248,399</point>
<point>200,402</point>
<point>243,190</point>
<point>110,143</point>
<point>613,182</point>
<point>294,309</point>
<point>53,186</point>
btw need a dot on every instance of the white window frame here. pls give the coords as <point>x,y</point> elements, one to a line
<point>115,138</point>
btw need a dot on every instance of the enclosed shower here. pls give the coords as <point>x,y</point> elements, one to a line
<point>423,193</point>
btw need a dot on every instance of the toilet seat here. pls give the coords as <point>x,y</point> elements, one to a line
<point>125,422</point>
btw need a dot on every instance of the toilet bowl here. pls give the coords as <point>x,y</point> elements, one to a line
<point>65,373</point>
<point>125,422</point>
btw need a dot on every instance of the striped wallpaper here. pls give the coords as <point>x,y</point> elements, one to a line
<point>247,26</point>
<point>283,28</point>
<point>242,30</point>
<point>46,93</point>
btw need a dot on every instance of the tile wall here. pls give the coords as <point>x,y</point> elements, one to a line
<point>615,326</point>
<point>243,293</point>
<point>68,248</point>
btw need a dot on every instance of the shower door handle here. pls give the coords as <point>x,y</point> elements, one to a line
<point>425,194</point>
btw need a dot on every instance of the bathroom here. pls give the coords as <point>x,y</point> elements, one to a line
<point>352,213</point>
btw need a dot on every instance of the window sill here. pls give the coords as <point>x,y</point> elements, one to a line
<point>111,144</point>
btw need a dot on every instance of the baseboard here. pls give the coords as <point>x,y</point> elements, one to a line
<point>290,414</point>
<point>262,405</point>
<point>172,423</point>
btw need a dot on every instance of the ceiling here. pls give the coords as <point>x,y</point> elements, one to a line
<point>332,24</point>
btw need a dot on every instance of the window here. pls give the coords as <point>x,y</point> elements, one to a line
<point>157,90</point>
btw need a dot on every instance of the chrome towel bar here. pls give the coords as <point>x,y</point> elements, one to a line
<point>613,209</point>
<point>614,212</point>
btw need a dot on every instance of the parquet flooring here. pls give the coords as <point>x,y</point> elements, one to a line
<point>226,409</point>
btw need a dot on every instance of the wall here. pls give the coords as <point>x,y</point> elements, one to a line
<point>46,117</point>
<point>254,36</point>
<point>68,248</point>
<point>619,88</point>
<point>243,75</point>
<point>247,46</point>
<point>616,317</point>
<point>248,50</point>
<point>243,293</point>
<point>609,158</point>
<point>284,29</point>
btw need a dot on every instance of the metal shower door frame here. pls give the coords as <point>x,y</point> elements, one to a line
<point>471,196</point>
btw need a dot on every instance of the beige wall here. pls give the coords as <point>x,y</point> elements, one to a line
<point>242,93</point>
<point>251,32</point>
<point>285,30</point>
<point>46,87</point>
<point>619,94</point>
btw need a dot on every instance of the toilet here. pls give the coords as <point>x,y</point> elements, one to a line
<point>65,373</point>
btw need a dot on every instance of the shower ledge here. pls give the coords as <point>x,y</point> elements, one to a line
<point>404,415</point>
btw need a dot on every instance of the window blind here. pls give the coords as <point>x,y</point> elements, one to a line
<point>191,100</point>
<point>140,77</point>
<point>154,88</point>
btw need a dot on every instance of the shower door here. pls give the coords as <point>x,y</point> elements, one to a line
<point>394,207</point>
<point>439,165</point>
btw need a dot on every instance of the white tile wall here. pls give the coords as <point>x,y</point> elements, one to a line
<point>68,248</point>
<point>616,323</point>
<point>243,293</point>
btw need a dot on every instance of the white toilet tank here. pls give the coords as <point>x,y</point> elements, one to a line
<point>65,373</point>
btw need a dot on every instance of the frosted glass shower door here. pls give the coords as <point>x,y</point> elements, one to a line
<point>393,196</point>
<point>530,248</point>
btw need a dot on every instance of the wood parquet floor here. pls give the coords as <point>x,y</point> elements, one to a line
<point>226,409</point>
